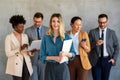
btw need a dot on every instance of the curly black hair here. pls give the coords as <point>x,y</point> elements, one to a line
<point>17,19</point>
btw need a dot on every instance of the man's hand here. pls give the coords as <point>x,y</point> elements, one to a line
<point>99,42</point>
<point>34,50</point>
<point>112,60</point>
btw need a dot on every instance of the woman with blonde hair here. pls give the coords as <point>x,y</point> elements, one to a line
<point>51,50</point>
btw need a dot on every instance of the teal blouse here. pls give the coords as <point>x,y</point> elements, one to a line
<point>49,48</point>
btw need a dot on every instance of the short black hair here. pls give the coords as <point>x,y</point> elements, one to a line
<point>17,19</point>
<point>102,16</point>
<point>75,18</point>
<point>38,15</point>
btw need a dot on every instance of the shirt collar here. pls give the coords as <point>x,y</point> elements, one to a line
<point>52,36</point>
<point>103,29</point>
<point>75,33</point>
<point>39,27</point>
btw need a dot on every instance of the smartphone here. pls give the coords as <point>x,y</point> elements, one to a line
<point>83,40</point>
<point>100,38</point>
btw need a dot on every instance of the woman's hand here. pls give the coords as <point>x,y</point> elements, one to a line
<point>57,59</point>
<point>24,46</point>
<point>83,45</point>
<point>64,54</point>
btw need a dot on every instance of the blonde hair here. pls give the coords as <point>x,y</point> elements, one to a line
<point>61,28</point>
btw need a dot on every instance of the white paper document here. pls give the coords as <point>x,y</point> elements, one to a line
<point>66,48</point>
<point>67,45</point>
<point>35,45</point>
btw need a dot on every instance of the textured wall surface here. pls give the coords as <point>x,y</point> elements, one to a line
<point>87,9</point>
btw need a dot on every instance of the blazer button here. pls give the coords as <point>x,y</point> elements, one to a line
<point>16,63</point>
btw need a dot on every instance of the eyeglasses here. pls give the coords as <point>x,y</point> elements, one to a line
<point>103,22</point>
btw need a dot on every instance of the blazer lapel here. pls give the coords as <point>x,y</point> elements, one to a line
<point>97,34</point>
<point>24,39</point>
<point>80,36</point>
<point>107,36</point>
<point>14,40</point>
<point>34,35</point>
<point>42,31</point>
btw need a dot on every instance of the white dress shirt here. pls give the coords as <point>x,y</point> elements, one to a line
<point>105,47</point>
<point>75,41</point>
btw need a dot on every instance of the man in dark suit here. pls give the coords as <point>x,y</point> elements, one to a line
<point>36,32</point>
<point>104,49</point>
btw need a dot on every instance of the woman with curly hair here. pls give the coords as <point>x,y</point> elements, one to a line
<point>18,63</point>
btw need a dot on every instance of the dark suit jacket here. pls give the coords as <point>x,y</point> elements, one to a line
<point>30,31</point>
<point>112,45</point>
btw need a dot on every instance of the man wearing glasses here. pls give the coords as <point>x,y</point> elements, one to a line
<point>104,49</point>
<point>36,32</point>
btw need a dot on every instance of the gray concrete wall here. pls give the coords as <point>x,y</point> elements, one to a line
<point>87,9</point>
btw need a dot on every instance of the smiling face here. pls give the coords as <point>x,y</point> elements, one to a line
<point>76,26</point>
<point>103,22</point>
<point>19,28</point>
<point>55,24</point>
